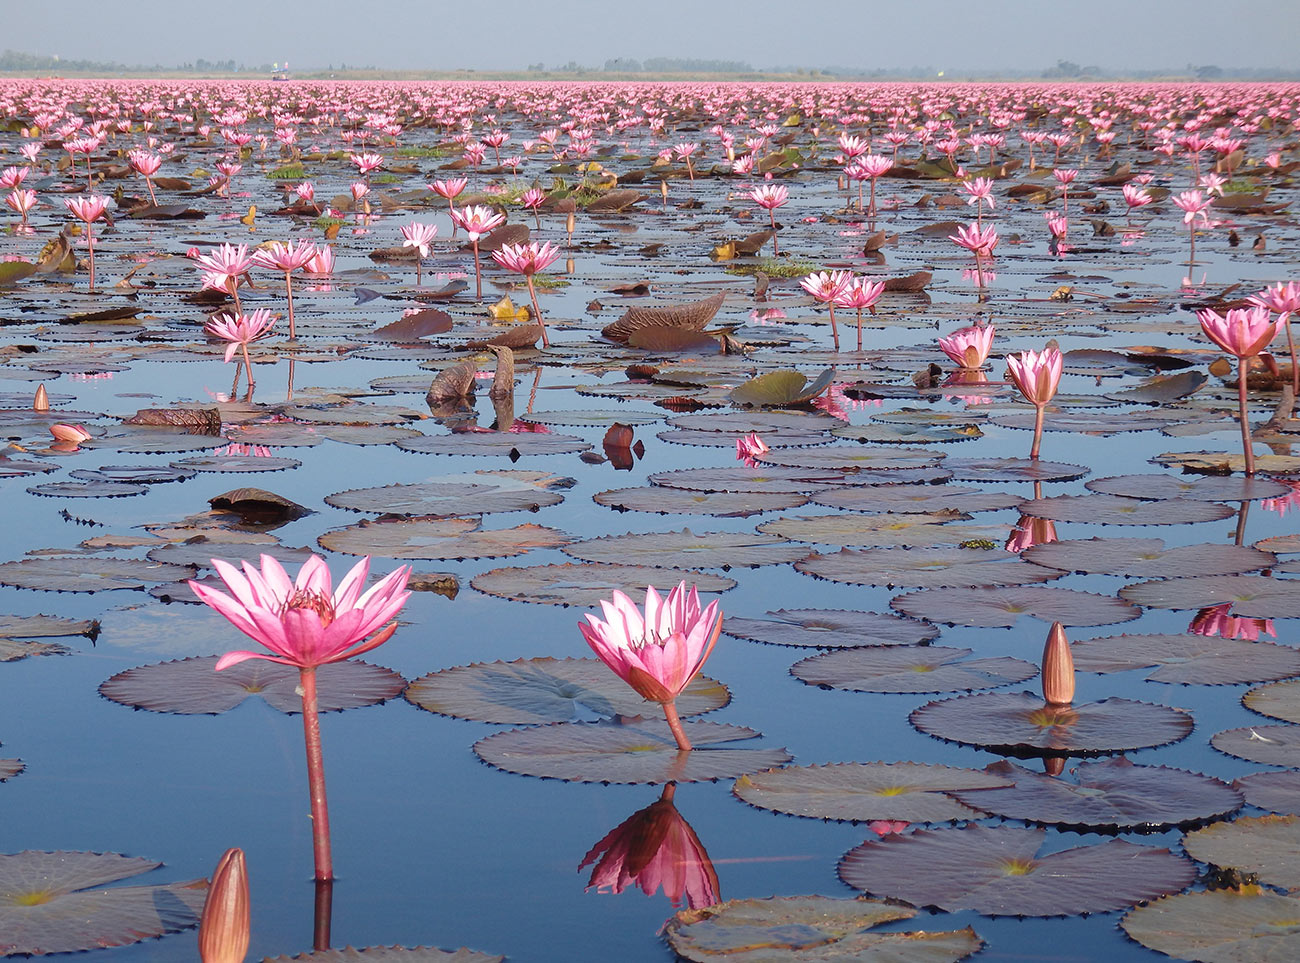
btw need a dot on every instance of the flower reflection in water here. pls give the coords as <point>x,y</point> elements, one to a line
<point>655,849</point>
<point>967,376</point>
<point>1215,620</point>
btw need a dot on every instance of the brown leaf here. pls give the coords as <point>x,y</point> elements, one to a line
<point>412,327</point>
<point>199,421</point>
<point>693,316</point>
<point>452,384</point>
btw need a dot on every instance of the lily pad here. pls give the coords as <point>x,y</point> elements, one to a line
<point>905,530</point>
<point>541,690</point>
<point>1246,925</point>
<point>438,538</point>
<point>1001,871</point>
<point>83,574</point>
<point>236,463</point>
<point>587,583</point>
<point>859,792</point>
<point>623,750</point>
<point>87,489</point>
<point>1265,846</point>
<point>910,669</point>
<point>914,500</point>
<point>473,493</point>
<point>495,443</point>
<point>924,567</point>
<point>1210,488</point>
<point>1117,510</point>
<point>1020,723</point>
<point>1002,607</point>
<point>681,501</point>
<point>994,470</point>
<point>844,458</point>
<point>765,478</point>
<point>1251,595</point>
<point>809,929</point>
<point>15,650</point>
<point>193,686</point>
<point>1277,792</point>
<point>1189,659</point>
<point>10,768</point>
<point>1147,557</point>
<point>390,954</point>
<point>1107,793</point>
<point>53,903</point>
<point>829,629</point>
<point>776,389</point>
<point>45,626</point>
<point>685,549</point>
<point>1281,700</point>
<point>1269,745</point>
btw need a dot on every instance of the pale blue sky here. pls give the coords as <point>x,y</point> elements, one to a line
<point>509,34</point>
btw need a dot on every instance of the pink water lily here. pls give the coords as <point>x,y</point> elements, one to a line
<point>968,347</point>
<point>1036,374</point>
<point>1243,333</point>
<point>528,259</point>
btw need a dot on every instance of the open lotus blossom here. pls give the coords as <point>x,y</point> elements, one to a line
<point>980,241</point>
<point>770,197</point>
<point>419,236</point>
<point>1193,204</point>
<point>477,220</point>
<point>1285,300</point>
<point>1036,374</point>
<point>22,201</point>
<point>1135,196</point>
<point>528,259</point>
<point>532,200</point>
<point>146,164</point>
<point>367,162</point>
<point>660,652</point>
<point>306,622</point>
<point>968,347</point>
<point>861,293</point>
<point>240,330</point>
<point>286,258</point>
<point>749,448</point>
<point>322,263</point>
<point>88,209</point>
<point>11,177</point>
<point>223,268</point>
<point>979,191</point>
<point>655,849</point>
<point>1243,333</point>
<point>828,287</point>
<point>869,167</point>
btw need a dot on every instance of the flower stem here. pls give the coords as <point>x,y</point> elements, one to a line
<point>324,911</point>
<point>1038,430</point>
<point>1247,448</point>
<point>320,814</point>
<point>478,277</point>
<point>835,331</point>
<point>675,724</point>
<point>532,294</point>
<point>288,293</point>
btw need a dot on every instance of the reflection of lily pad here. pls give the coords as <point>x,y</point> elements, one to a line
<point>856,791</point>
<point>999,871</point>
<point>681,501</point>
<point>53,903</point>
<point>1270,745</point>
<point>82,574</point>
<point>1246,925</point>
<point>1189,659</point>
<point>1021,723</point>
<point>910,669</point>
<point>626,751</point>
<point>685,549</point>
<point>993,607</point>
<point>586,584</point>
<point>809,929</point>
<point>1110,793</point>
<point>925,567</point>
<point>193,686</point>
<point>1254,596</point>
<point>1265,846</point>
<point>529,691</point>
<point>438,538</point>
<point>829,628</point>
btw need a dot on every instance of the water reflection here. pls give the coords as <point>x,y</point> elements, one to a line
<point>1215,620</point>
<point>654,849</point>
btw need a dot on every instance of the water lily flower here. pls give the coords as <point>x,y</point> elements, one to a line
<point>286,258</point>
<point>828,287</point>
<point>1036,374</point>
<point>660,652</point>
<point>770,197</point>
<point>1243,333</point>
<point>968,347</point>
<point>241,330</point>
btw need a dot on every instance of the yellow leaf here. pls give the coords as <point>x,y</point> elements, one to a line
<point>794,120</point>
<point>332,231</point>
<point>725,251</point>
<point>505,310</point>
<point>250,217</point>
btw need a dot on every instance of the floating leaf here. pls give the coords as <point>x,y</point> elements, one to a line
<point>779,388</point>
<point>909,530</point>
<point>193,686</point>
<point>1277,792</point>
<point>1021,723</point>
<point>842,457</point>
<point>1012,470</point>
<point>762,479</point>
<point>45,626</point>
<point>13,650</point>
<point>1189,659</point>
<point>10,768</point>
<point>1107,793</point>
<point>1254,596</point>
<point>476,493</point>
<point>87,489</point>
<point>809,929</point>
<point>1264,846</point>
<point>49,903</point>
<point>81,574</point>
<point>438,538</point>
<point>685,549</point>
<point>390,954</point>
<point>1269,745</point>
<point>412,327</point>
<point>1001,871</point>
<point>910,669</point>
<point>1147,557</point>
<point>236,463</point>
<point>626,751</point>
<point>993,607</point>
<point>1203,488</point>
<point>924,567</point>
<point>1117,510</point>
<point>681,501</point>
<point>857,791</point>
<point>1281,700</point>
<point>495,443</point>
<point>829,628</point>
<point>901,498</point>
<point>1246,925</point>
<point>587,583</point>
<point>693,317</point>
<point>530,691</point>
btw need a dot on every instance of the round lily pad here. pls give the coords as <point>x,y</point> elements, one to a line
<point>1147,557</point>
<point>1211,488</point>
<point>1117,510</point>
<point>905,530</point>
<point>1277,792</point>
<point>200,551</point>
<point>10,768</point>
<point>1269,745</point>
<point>1001,871</point>
<point>725,550</point>
<point>763,422</point>
<point>236,463</point>
<point>924,567</point>
<point>1265,846</point>
<point>910,499</point>
<point>1254,596</point>
<point>531,691</point>
<point>87,489</point>
<point>10,468</point>
<point>145,440</point>
<point>1107,793</point>
<point>587,583</point>
<point>591,418</point>
<point>495,443</point>
<point>85,574</point>
<point>193,686</point>
<point>1246,925</point>
<point>995,470</point>
<point>438,538</point>
<point>809,929</point>
<point>136,474</point>
<point>1020,723</point>
<point>1189,659</point>
<point>1281,700</point>
<point>765,478</point>
<point>782,438</point>
<point>626,751</point>
<point>829,628</point>
<point>910,669</point>
<point>843,457</point>
<point>1002,607</point>
<point>859,792</point>
<point>44,626</point>
<point>60,902</point>
<point>473,493</point>
<point>15,650</point>
<point>681,501</point>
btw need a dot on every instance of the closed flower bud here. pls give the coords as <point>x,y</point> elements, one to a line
<point>1058,668</point>
<point>224,928</point>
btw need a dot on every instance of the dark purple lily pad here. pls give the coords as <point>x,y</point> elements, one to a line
<point>989,607</point>
<point>587,583</point>
<point>998,470</point>
<point>1210,488</point>
<point>1277,792</point>
<point>829,629</point>
<point>685,549</point>
<point>901,499</point>
<point>1264,846</point>
<point>845,458</point>
<point>495,443</point>
<point>1280,700</point>
<point>87,489</point>
<point>1269,745</point>
<point>1117,510</point>
<point>1147,557</point>
<point>1253,596</point>
<point>236,463</point>
<point>438,538</point>
<point>904,530</point>
<point>681,501</point>
<point>765,478</point>
<point>925,567</point>
<point>1237,925</point>
<point>473,493</point>
<point>84,574</point>
<point>911,669</point>
<point>1189,659</point>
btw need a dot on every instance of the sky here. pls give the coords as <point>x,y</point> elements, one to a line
<point>950,35</point>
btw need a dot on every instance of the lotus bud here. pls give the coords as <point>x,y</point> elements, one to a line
<point>1054,765</point>
<point>66,432</point>
<point>570,223</point>
<point>1058,668</point>
<point>42,400</point>
<point>224,928</point>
